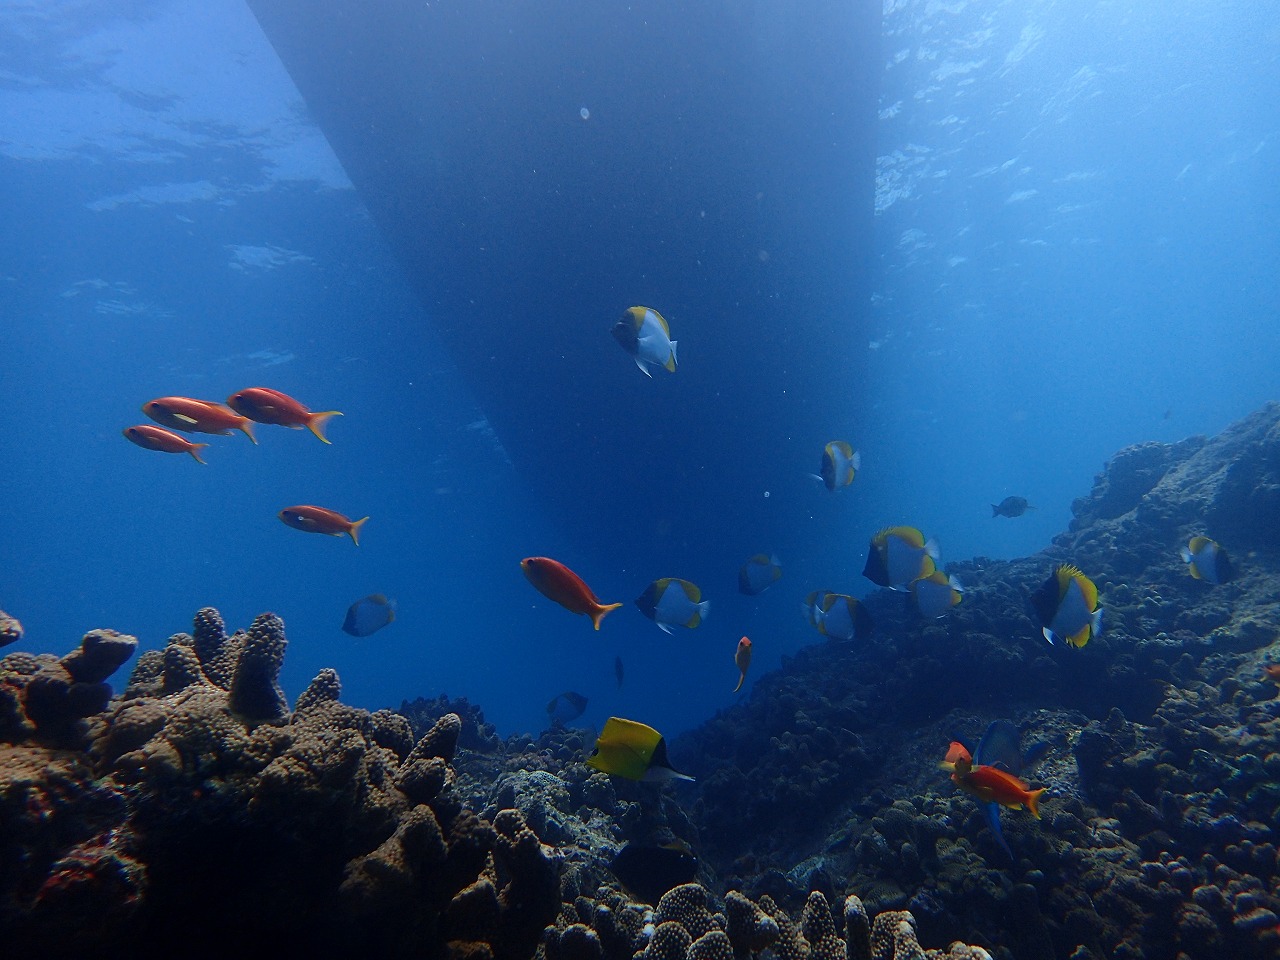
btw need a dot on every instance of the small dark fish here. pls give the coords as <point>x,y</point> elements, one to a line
<point>566,707</point>
<point>650,871</point>
<point>369,615</point>
<point>1011,507</point>
<point>617,670</point>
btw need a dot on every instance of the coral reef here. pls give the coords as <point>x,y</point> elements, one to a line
<point>1159,829</point>
<point>197,794</point>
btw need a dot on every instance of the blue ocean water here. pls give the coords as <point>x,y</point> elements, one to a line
<point>1074,250</point>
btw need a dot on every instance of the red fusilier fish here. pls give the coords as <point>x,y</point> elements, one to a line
<point>319,520</point>
<point>557,582</point>
<point>990,783</point>
<point>197,416</point>
<point>271,406</point>
<point>742,660</point>
<point>157,438</point>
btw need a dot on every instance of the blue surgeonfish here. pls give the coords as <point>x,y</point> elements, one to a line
<point>811,606</point>
<point>673,602</point>
<point>566,707</point>
<point>1207,561</point>
<point>936,594</point>
<point>369,615</point>
<point>1011,507</point>
<point>840,464</point>
<point>1001,747</point>
<point>842,617</point>
<point>627,748</point>
<point>758,574</point>
<point>1067,607</point>
<point>647,871</point>
<point>645,335</point>
<point>899,555</point>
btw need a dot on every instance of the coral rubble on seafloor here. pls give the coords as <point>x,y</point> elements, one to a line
<point>198,809</point>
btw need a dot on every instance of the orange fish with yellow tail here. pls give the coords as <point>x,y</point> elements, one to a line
<point>264,405</point>
<point>990,784</point>
<point>742,660</point>
<point>310,519</point>
<point>157,438</point>
<point>197,416</point>
<point>557,582</point>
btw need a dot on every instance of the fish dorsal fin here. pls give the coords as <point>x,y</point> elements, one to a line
<point>691,590</point>
<point>908,535</point>
<point>1198,543</point>
<point>1065,574</point>
<point>661,319</point>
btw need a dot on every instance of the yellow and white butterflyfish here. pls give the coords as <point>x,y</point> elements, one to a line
<point>673,602</point>
<point>644,334</point>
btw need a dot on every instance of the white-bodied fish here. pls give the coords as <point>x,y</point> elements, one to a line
<point>645,335</point>
<point>673,602</point>
<point>840,464</point>
<point>758,574</point>
<point>899,555</point>
<point>936,594</point>
<point>841,617</point>
<point>1067,607</point>
<point>369,615</point>
<point>811,606</point>
<point>1207,561</point>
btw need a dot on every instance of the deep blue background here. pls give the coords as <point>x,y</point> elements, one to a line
<point>1075,237</point>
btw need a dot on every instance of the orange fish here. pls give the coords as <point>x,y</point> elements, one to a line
<point>156,438</point>
<point>557,582</point>
<point>1272,672</point>
<point>271,406</point>
<point>197,416</point>
<point>319,520</point>
<point>990,783</point>
<point>742,660</point>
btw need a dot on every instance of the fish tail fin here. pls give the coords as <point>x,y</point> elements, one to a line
<point>600,611</point>
<point>931,549</point>
<point>246,426</point>
<point>195,449</point>
<point>316,422</point>
<point>995,511</point>
<point>1033,801</point>
<point>354,529</point>
<point>671,360</point>
<point>741,677</point>
<point>1096,622</point>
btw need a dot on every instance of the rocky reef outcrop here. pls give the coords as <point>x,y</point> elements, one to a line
<point>1158,834</point>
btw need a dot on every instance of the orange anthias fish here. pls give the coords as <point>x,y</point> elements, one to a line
<point>990,783</point>
<point>742,660</point>
<point>271,406</point>
<point>319,520</point>
<point>157,438</point>
<point>557,582</point>
<point>1272,672</point>
<point>197,416</point>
